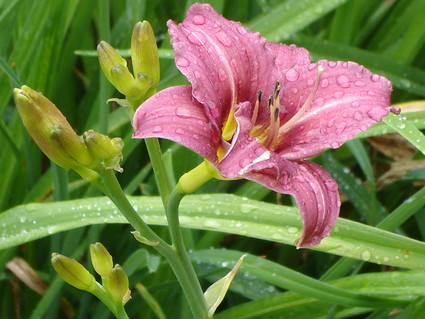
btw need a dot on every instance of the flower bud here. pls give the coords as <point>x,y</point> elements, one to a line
<point>110,58</point>
<point>140,85</point>
<point>118,285</point>
<point>73,272</point>
<point>50,130</point>
<point>106,150</point>
<point>101,259</point>
<point>144,55</point>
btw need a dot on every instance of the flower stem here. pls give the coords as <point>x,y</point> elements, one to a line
<point>188,278</point>
<point>176,255</point>
<point>161,177</point>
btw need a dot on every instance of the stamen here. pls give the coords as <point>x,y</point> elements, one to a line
<point>287,126</point>
<point>256,107</point>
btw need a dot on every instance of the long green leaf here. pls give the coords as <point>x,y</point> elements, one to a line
<point>219,212</point>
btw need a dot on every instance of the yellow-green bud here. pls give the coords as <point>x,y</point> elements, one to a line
<point>144,55</point>
<point>108,151</point>
<point>116,71</point>
<point>101,259</point>
<point>50,130</point>
<point>73,272</point>
<point>118,285</point>
<point>109,58</point>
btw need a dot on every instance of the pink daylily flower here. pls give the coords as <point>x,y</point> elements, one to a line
<point>258,109</point>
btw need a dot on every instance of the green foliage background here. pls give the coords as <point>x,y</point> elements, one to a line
<point>49,46</point>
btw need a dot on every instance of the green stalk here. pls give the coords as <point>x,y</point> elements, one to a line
<point>176,255</point>
<point>191,287</point>
<point>155,154</point>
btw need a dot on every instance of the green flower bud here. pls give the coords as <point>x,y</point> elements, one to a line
<point>144,56</point>
<point>51,131</point>
<point>73,272</point>
<point>108,151</point>
<point>110,58</point>
<point>118,285</point>
<point>101,259</point>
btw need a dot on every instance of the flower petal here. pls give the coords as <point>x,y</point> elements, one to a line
<point>173,114</point>
<point>348,100</point>
<point>225,63</point>
<point>313,188</point>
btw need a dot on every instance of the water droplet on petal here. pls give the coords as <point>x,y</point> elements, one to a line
<point>182,62</point>
<point>334,144</point>
<point>224,39</point>
<point>359,83</point>
<point>358,116</point>
<point>300,178</point>
<point>179,131</point>
<point>222,75</point>
<point>198,19</point>
<point>310,82</point>
<point>324,83</point>
<point>157,129</point>
<point>332,64</point>
<point>244,162</point>
<point>196,38</point>
<point>242,30</point>
<point>320,101</point>
<point>343,81</point>
<point>338,94</point>
<point>376,113</point>
<point>331,185</point>
<point>375,77</point>
<point>292,75</point>
<point>183,112</point>
<point>355,104</point>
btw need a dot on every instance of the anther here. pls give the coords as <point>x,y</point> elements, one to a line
<point>256,107</point>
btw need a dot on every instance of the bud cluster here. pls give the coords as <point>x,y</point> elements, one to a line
<point>113,292</point>
<point>141,83</point>
<point>88,155</point>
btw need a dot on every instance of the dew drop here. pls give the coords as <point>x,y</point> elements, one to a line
<point>324,83</point>
<point>196,38</point>
<point>183,112</point>
<point>222,75</point>
<point>375,77</point>
<point>358,116</point>
<point>320,101</point>
<point>245,208</point>
<point>331,185</point>
<point>198,19</point>
<point>182,62</point>
<point>332,64</point>
<point>179,131</point>
<point>244,162</point>
<point>366,255</point>
<point>359,83</point>
<point>157,129</point>
<point>338,94</point>
<point>293,230</point>
<point>242,30</point>
<point>224,39</point>
<point>355,104</point>
<point>278,237</point>
<point>376,113</point>
<point>334,144</point>
<point>343,81</point>
<point>212,224</point>
<point>310,82</point>
<point>292,75</point>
